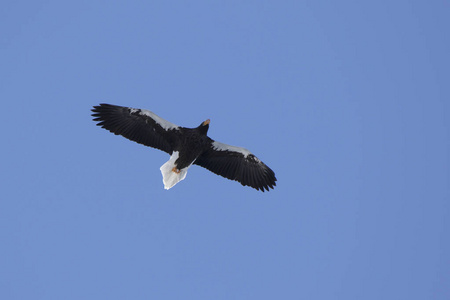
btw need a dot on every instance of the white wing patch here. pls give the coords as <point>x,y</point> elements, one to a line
<point>224,147</point>
<point>170,178</point>
<point>163,123</point>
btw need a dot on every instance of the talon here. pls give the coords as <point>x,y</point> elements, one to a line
<point>175,170</point>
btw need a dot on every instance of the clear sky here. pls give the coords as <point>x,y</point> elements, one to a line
<point>347,101</point>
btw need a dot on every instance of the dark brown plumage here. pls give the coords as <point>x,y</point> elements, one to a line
<point>186,146</point>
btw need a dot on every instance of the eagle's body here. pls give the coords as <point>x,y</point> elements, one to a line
<point>186,146</point>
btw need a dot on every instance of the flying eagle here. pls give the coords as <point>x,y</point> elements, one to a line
<point>186,146</point>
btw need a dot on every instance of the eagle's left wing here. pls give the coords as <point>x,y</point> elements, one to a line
<point>238,164</point>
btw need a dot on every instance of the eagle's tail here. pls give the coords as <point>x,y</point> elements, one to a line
<point>171,174</point>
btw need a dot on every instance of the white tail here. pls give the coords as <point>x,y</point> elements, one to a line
<point>171,174</point>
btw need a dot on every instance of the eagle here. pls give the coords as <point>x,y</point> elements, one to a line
<point>186,146</point>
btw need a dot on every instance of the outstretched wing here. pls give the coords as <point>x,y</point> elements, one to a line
<point>238,164</point>
<point>139,125</point>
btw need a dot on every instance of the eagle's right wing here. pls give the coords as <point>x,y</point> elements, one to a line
<point>139,125</point>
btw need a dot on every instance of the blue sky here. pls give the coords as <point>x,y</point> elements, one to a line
<point>348,103</point>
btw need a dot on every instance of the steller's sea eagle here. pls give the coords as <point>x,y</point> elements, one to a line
<point>186,146</point>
